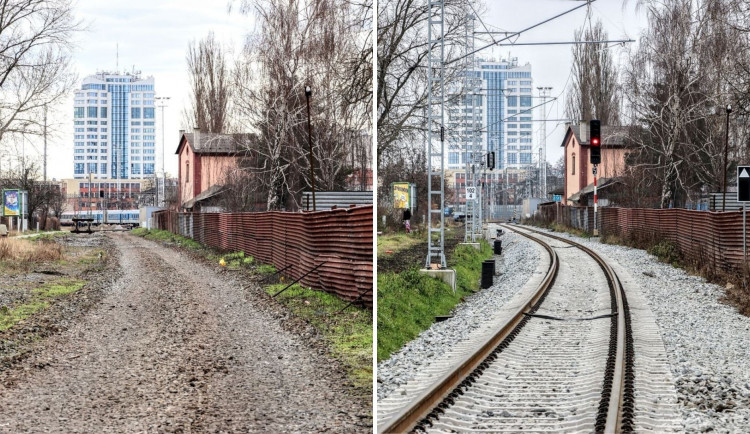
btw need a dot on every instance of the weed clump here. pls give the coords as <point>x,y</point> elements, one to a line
<point>666,252</point>
<point>25,251</point>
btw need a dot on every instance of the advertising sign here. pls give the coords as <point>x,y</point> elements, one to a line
<point>11,201</point>
<point>401,192</point>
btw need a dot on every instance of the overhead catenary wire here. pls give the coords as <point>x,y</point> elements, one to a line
<point>518,33</point>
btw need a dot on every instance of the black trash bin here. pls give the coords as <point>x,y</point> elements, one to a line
<point>488,272</point>
<point>498,247</point>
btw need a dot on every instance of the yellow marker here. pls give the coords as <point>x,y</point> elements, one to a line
<point>222,263</point>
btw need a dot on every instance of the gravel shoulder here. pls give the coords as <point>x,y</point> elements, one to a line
<point>707,342</point>
<point>174,346</point>
<point>470,318</point>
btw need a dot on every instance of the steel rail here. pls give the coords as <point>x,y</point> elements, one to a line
<point>616,382</point>
<point>614,395</point>
<point>428,400</point>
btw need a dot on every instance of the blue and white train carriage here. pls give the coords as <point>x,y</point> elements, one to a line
<point>129,217</point>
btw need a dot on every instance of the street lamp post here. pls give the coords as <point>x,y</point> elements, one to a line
<point>163,100</point>
<point>726,156</point>
<point>308,92</point>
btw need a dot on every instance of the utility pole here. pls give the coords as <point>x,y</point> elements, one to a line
<point>45,143</point>
<point>436,96</point>
<point>308,92</point>
<point>543,93</point>
<point>161,190</point>
<point>726,156</point>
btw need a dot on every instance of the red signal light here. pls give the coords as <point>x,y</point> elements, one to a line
<point>595,142</point>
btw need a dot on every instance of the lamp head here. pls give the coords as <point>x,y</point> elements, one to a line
<point>729,108</point>
<point>308,91</point>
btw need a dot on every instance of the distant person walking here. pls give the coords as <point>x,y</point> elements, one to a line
<point>407,217</point>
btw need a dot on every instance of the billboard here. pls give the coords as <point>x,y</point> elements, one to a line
<point>11,202</point>
<point>401,193</point>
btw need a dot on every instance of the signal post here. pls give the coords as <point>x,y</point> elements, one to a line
<point>595,158</point>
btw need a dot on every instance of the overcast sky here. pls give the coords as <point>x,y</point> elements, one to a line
<point>153,36</point>
<point>551,65</point>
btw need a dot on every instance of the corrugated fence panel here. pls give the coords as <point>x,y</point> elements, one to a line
<point>713,239</point>
<point>338,241</point>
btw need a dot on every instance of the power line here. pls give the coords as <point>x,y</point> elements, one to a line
<point>519,32</point>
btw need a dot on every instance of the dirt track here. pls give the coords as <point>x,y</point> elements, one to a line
<point>176,347</point>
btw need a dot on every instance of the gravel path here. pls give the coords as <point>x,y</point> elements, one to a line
<point>175,347</point>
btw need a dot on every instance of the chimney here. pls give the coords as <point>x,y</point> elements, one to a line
<point>197,138</point>
<point>182,132</point>
<point>584,132</point>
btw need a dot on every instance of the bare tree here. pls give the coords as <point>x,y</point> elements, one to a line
<point>594,92</point>
<point>210,86</point>
<point>402,61</point>
<point>678,88</point>
<point>35,47</point>
<point>300,44</point>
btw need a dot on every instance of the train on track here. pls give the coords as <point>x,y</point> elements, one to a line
<point>125,217</point>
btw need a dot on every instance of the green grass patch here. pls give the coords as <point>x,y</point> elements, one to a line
<point>409,301</point>
<point>60,287</point>
<point>266,269</point>
<point>48,236</point>
<point>234,260</point>
<point>348,333</point>
<point>140,232</point>
<point>396,242</point>
<point>166,236</point>
<point>11,316</point>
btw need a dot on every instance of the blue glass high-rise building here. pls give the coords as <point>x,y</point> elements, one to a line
<point>114,127</point>
<point>502,115</point>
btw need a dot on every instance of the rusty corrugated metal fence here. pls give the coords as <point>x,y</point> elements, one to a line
<point>711,239</point>
<point>342,238</point>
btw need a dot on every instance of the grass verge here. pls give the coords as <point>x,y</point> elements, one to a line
<point>409,301</point>
<point>348,332</point>
<point>166,236</point>
<point>397,242</point>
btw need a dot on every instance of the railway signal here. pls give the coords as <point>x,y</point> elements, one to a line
<point>595,155</point>
<point>491,160</point>
<point>595,130</point>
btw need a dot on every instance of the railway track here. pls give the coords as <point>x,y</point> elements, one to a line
<point>563,361</point>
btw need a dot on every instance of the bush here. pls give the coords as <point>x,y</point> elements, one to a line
<point>666,252</point>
